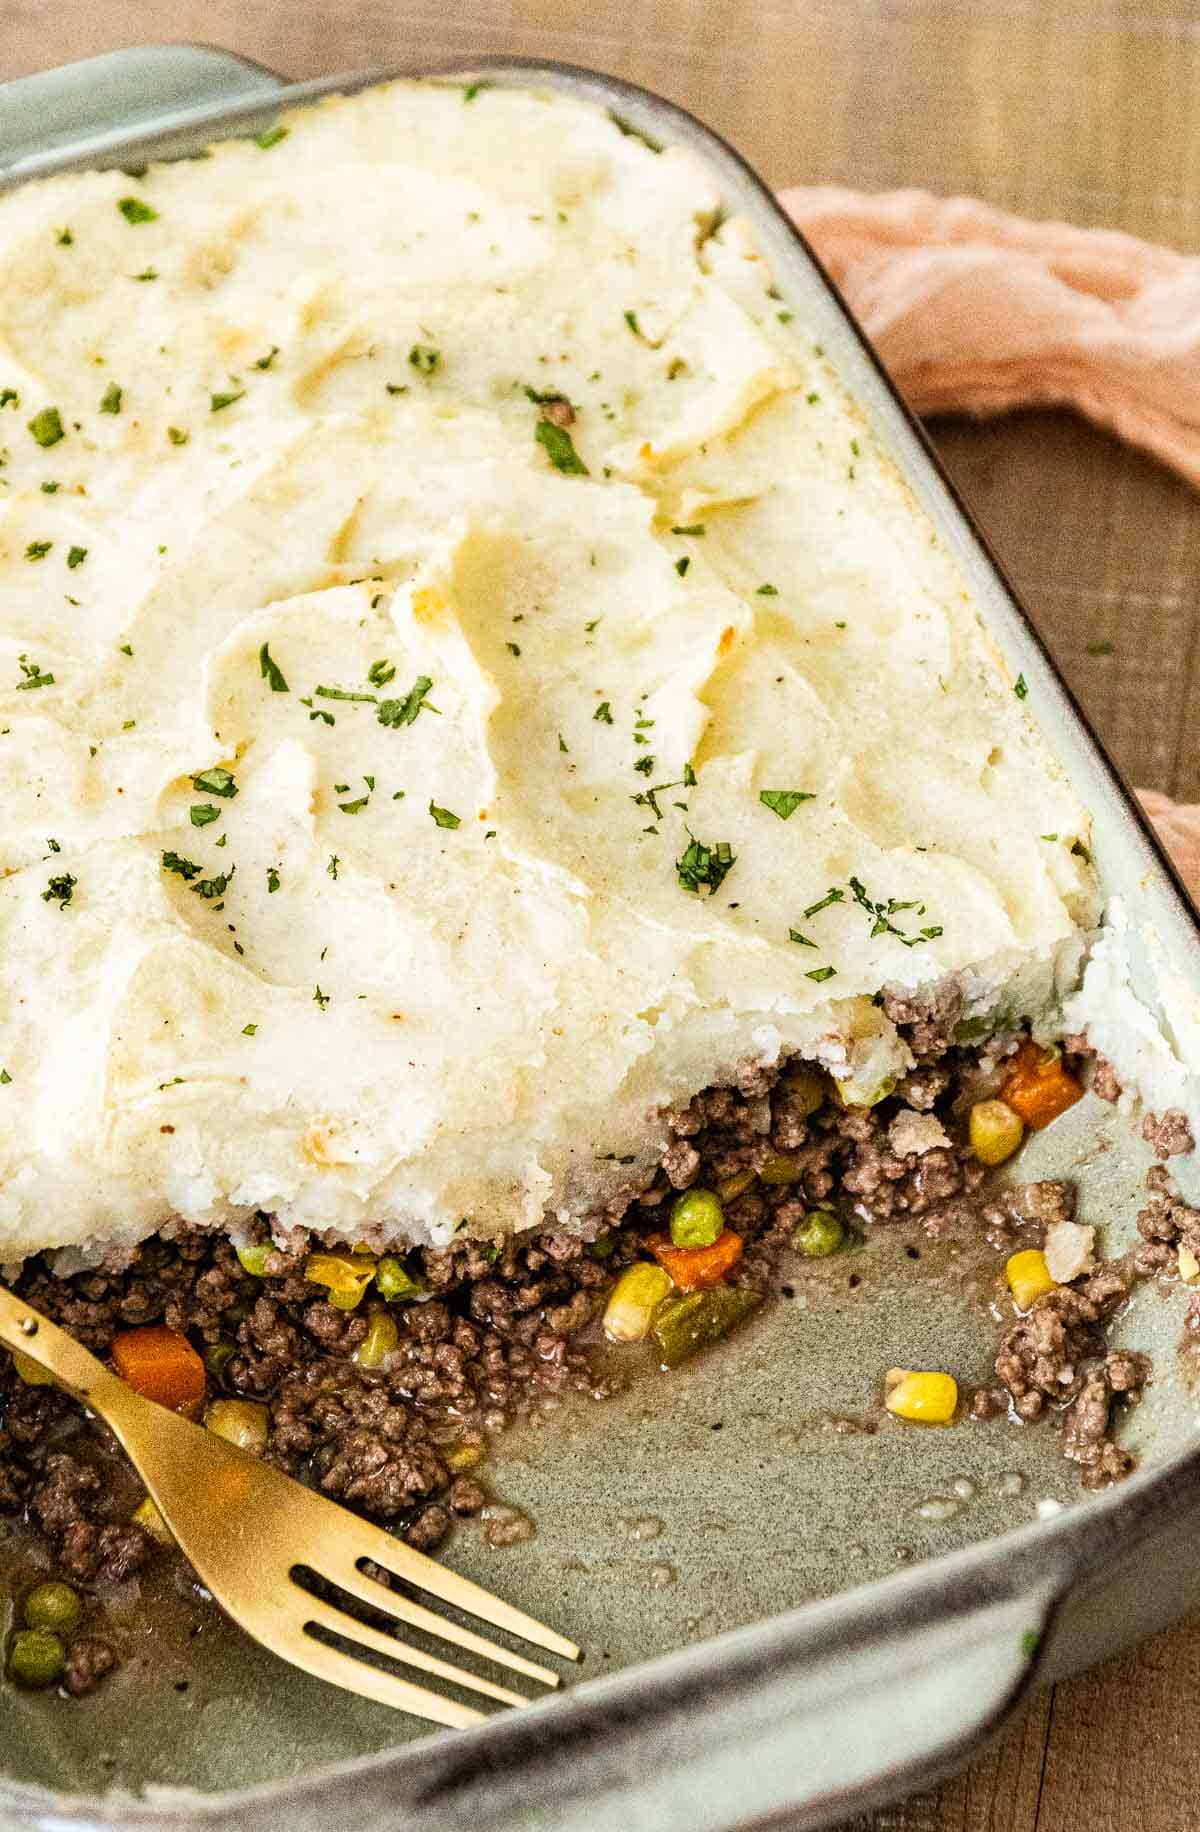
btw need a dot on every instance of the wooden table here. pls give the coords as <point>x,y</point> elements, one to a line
<point>1088,109</point>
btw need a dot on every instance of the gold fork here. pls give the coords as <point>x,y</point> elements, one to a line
<point>247,1529</point>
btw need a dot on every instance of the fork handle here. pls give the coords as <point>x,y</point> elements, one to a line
<point>25,1329</point>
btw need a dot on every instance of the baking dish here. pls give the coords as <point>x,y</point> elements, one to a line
<point>807,1713</point>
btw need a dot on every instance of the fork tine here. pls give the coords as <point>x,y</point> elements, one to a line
<point>414,1568</point>
<point>391,1603</point>
<point>351,1629</point>
<point>342,1669</point>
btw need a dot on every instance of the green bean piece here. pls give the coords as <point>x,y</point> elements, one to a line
<point>697,1219</point>
<point>52,1605</point>
<point>215,1357</point>
<point>36,1658</point>
<point>819,1234</point>
<point>683,1325</point>
<point>253,1259</point>
<point>394,1282</point>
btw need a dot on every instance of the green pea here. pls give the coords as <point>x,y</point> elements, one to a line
<point>36,1658</point>
<point>697,1219</point>
<point>253,1259</point>
<point>602,1247</point>
<point>53,1605</point>
<point>394,1282</point>
<point>819,1234</point>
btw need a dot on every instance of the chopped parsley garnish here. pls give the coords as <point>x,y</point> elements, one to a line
<point>443,816</point>
<point>559,448</point>
<point>820,973</point>
<point>264,362</point>
<point>64,238</point>
<point>603,713</point>
<point>881,914</point>
<point>147,273</point>
<point>694,529</point>
<point>49,488</point>
<point>37,550</point>
<point>704,865</point>
<point>217,781</point>
<point>272,878</point>
<point>343,693</point>
<point>831,896</point>
<point>394,713</point>
<point>135,210</point>
<point>356,806</point>
<point>644,766</point>
<point>470,91</point>
<point>202,813</point>
<point>60,890</point>
<point>33,675</point>
<point>682,565</point>
<point>812,397</point>
<point>5,1078</point>
<point>513,648</point>
<point>110,400</point>
<point>331,870</point>
<point>53,845</point>
<point>208,888</point>
<point>631,321</point>
<point>186,869</point>
<point>318,712</point>
<point>784,802</point>
<point>9,398</point>
<point>47,426</point>
<point>320,998</point>
<point>381,672</point>
<point>125,648</point>
<point>767,591</point>
<point>562,744</point>
<point>801,940</point>
<point>424,358</point>
<point>271,671</point>
<point>177,436</point>
<point>249,1030</point>
<point>1020,687</point>
<point>271,136</point>
<point>1047,836</point>
<point>226,399</point>
<point>76,556</point>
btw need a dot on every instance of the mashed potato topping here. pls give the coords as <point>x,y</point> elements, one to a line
<point>466,680</point>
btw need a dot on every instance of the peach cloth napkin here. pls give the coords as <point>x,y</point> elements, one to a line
<point>975,311</point>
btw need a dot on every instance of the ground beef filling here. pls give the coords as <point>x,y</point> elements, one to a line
<point>503,1329</point>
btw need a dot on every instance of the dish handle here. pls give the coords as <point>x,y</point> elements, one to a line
<point>100,103</point>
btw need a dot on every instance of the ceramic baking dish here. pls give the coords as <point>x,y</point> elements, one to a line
<point>791,1612</point>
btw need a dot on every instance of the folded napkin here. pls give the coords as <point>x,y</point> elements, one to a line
<point>975,311</point>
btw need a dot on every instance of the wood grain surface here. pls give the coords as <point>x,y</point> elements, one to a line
<point>1085,109</point>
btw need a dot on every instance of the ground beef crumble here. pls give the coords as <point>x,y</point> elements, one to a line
<point>503,1327</point>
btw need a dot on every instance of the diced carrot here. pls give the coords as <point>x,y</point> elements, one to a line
<point>697,1268</point>
<point>1039,1087</point>
<point>161,1364</point>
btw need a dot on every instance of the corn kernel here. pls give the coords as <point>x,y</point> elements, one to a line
<point>464,1456</point>
<point>148,1517</point>
<point>346,1276</point>
<point>1028,1276</point>
<point>634,1299</point>
<point>1189,1266</point>
<point>806,1090</point>
<point>923,1397</point>
<point>996,1131</point>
